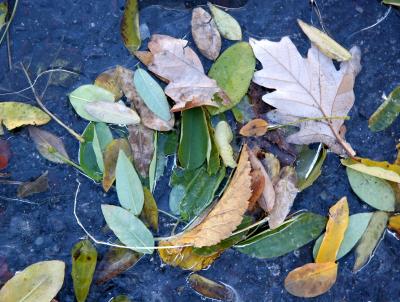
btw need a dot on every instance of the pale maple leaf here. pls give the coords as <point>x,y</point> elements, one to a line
<point>308,88</point>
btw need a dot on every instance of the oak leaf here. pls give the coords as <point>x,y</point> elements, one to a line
<point>308,88</point>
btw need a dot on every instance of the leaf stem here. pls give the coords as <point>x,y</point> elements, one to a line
<point>273,127</point>
<point>9,21</point>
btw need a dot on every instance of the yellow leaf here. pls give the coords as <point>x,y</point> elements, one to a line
<point>335,229</point>
<point>325,44</point>
<point>15,114</point>
<point>394,224</point>
<point>256,127</point>
<point>380,169</point>
<point>312,279</point>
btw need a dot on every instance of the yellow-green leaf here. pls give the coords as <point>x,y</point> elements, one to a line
<point>227,26</point>
<point>150,210</point>
<point>223,138</point>
<point>130,26</point>
<point>15,114</point>
<point>386,113</point>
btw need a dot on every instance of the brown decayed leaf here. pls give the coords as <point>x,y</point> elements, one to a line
<point>210,288</point>
<point>255,94</point>
<point>5,153</point>
<point>256,127</point>
<point>335,230</point>
<point>141,140</point>
<point>227,213</point>
<point>308,88</point>
<point>205,34</point>
<point>146,57</point>
<point>148,118</point>
<point>312,279</point>
<point>39,185</point>
<point>149,213</point>
<point>257,187</point>
<point>286,192</point>
<point>109,81</point>
<point>188,85</point>
<point>272,166</point>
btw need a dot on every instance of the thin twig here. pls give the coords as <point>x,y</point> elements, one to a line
<point>170,215</point>
<point>39,101</point>
<point>10,182</point>
<point>9,51</point>
<point>21,200</point>
<point>9,21</point>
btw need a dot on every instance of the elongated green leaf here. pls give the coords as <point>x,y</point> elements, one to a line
<point>288,237</point>
<point>233,72</point>
<point>149,214</point>
<point>308,166</point>
<point>152,94</point>
<point>102,136</point>
<point>153,164</point>
<point>84,259</point>
<point>87,156</point>
<point>386,113</point>
<point>86,94</point>
<point>356,228</point>
<point>392,2</point>
<point>375,191</point>
<point>39,282</point>
<point>227,26</point>
<point>175,196</point>
<point>129,187</point>
<point>129,229</point>
<point>130,26</point>
<point>193,144</point>
<point>370,239</point>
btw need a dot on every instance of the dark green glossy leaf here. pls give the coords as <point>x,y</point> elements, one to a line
<point>130,26</point>
<point>288,237</point>
<point>308,166</point>
<point>87,156</point>
<point>84,259</point>
<point>386,113</point>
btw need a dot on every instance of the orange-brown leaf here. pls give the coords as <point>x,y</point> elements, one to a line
<point>312,279</point>
<point>335,229</point>
<point>109,81</point>
<point>256,127</point>
<point>394,224</point>
<point>257,186</point>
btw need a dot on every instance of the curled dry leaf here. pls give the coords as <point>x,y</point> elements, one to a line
<point>335,230</point>
<point>223,138</point>
<point>205,34</point>
<point>256,127</point>
<point>210,289</point>
<point>39,185</point>
<point>15,114</point>
<point>109,81</point>
<point>312,279</point>
<point>112,113</point>
<point>308,88</point>
<point>5,153</point>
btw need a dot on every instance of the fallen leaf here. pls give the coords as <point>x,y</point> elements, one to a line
<point>325,44</point>
<point>256,127</point>
<point>102,136</point>
<point>109,81</point>
<point>149,213</point>
<point>376,192</point>
<point>205,34</point>
<point>285,194</point>
<point>243,111</point>
<point>233,71</point>
<point>110,160</point>
<point>370,239</point>
<point>312,279</point>
<point>226,24</point>
<point>84,259</point>
<point>49,146</point>
<point>5,153</point>
<point>394,223</point>
<point>392,2</point>
<point>223,138</point>
<point>213,156</point>
<point>272,166</point>
<point>128,185</point>
<point>130,26</point>
<point>210,289</point>
<point>308,88</point>
<point>257,188</point>
<point>120,298</point>
<point>335,229</point>
<point>38,282</point>
<point>15,114</point>
<point>129,229</point>
<point>112,113</point>
<point>227,213</point>
<point>309,165</point>
<point>115,262</point>
<point>39,185</point>
<point>3,13</point>
<point>386,113</point>
<point>5,274</point>
<point>188,86</point>
<point>255,94</point>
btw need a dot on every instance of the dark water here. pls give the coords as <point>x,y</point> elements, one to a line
<point>84,36</point>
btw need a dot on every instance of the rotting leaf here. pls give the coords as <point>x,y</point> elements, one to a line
<point>149,213</point>
<point>226,24</point>
<point>130,26</point>
<point>39,185</point>
<point>15,114</point>
<point>256,127</point>
<point>205,34</point>
<point>109,81</point>
<point>5,153</point>
<point>257,188</point>
<point>210,289</point>
<point>312,279</point>
<point>49,146</point>
<point>370,239</point>
<point>335,229</point>
<point>84,259</point>
<point>308,166</point>
<point>223,138</point>
<point>38,282</point>
<point>243,111</point>
<point>386,113</point>
<point>325,44</point>
<point>394,224</point>
<point>112,113</point>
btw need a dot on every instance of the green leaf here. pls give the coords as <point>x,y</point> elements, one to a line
<point>386,113</point>
<point>86,94</point>
<point>370,239</point>
<point>152,94</point>
<point>36,283</point>
<point>308,166</point>
<point>213,159</point>
<point>149,214</point>
<point>392,2</point>
<point>130,31</point>
<point>357,226</point>
<point>3,13</point>
<point>129,188</point>
<point>87,156</point>
<point>288,237</point>
<point>16,114</point>
<point>233,72</point>
<point>223,139</point>
<point>193,143</point>
<point>84,259</point>
<point>227,26</point>
<point>375,191</point>
<point>102,136</point>
<point>121,298</point>
<point>129,229</point>
<point>175,197</point>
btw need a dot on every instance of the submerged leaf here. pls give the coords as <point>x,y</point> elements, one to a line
<point>308,166</point>
<point>392,2</point>
<point>141,140</point>
<point>39,185</point>
<point>394,224</point>
<point>102,136</point>
<point>112,113</point>
<point>84,259</point>
<point>386,113</point>
<point>3,13</point>
<point>120,298</point>
<point>87,155</point>
<point>226,24</point>
<point>149,214</point>
<point>223,138</point>
<point>5,153</point>
<point>130,26</point>
<point>256,127</point>
<point>210,289</point>
<point>15,114</point>
<point>38,282</point>
<point>109,81</point>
